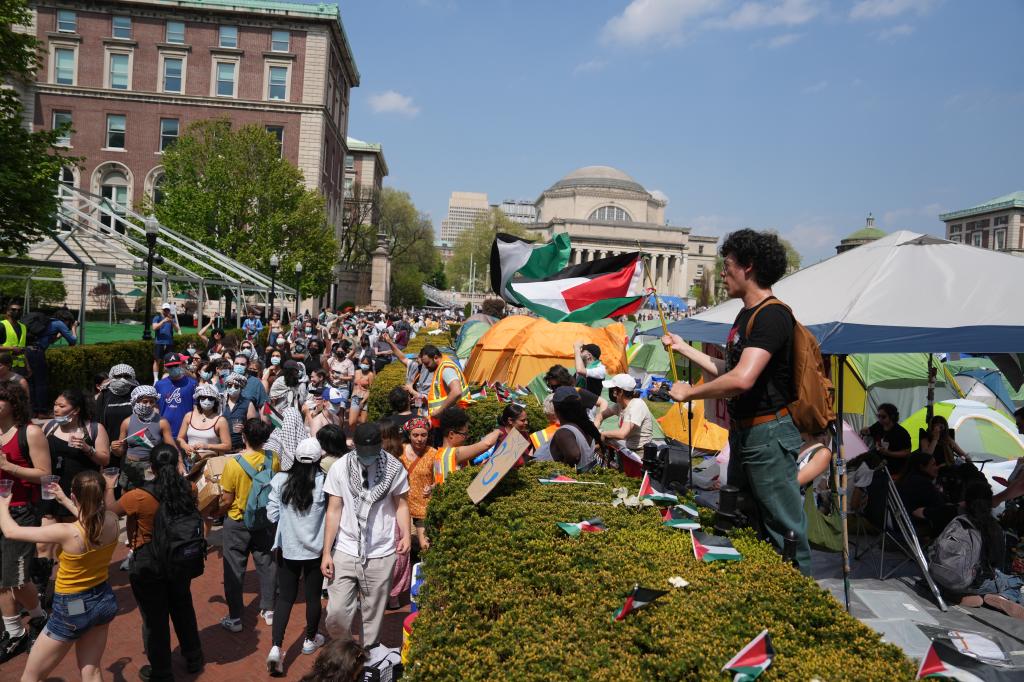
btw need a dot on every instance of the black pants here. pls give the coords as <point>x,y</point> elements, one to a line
<point>157,601</point>
<point>39,382</point>
<point>288,573</point>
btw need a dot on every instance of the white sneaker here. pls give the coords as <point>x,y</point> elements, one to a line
<point>267,616</point>
<point>231,624</point>
<point>274,665</point>
<point>127,563</point>
<point>311,645</point>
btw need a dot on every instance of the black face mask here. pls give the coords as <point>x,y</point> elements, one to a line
<point>15,313</point>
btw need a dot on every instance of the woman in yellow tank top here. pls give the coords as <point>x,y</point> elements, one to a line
<point>83,603</point>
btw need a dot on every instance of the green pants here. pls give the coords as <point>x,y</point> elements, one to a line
<point>762,462</point>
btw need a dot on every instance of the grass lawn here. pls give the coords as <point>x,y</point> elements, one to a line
<point>101,332</point>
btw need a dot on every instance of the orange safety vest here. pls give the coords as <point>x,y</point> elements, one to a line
<point>444,464</point>
<point>539,438</point>
<point>438,389</point>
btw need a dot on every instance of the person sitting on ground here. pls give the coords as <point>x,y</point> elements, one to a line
<point>922,497</point>
<point>939,441</point>
<point>342,660</point>
<point>590,371</point>
<point>659,392</point>
<point>636,423</point>
<point>454,453</point>
<point>576,437</point>
<point>812,462</point>
<point>891,440</point>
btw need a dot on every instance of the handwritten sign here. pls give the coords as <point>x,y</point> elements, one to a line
<point>501,462</point>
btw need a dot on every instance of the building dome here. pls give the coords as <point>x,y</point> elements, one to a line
<point>864,235</point>
<point>603,177</point>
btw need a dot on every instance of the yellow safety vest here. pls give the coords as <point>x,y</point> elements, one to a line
<point>539,438</point>
<point>14,339</point>
<point>438,390</point>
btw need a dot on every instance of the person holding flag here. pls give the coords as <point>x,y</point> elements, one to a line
<point>140,433</point>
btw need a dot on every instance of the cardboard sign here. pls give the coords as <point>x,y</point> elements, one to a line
<point>500,463</point>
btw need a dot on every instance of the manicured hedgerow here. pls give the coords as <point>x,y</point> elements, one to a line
<point>509,596</point>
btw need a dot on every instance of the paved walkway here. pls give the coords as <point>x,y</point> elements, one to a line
<point>228,656</point>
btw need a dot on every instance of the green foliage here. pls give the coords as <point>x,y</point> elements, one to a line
<point>41,292</point>
<point>484,414</point>
<point>231,190</point>
<point>438,279</point>
<point>407,287</point>
<point>30,164</point>
<point>476,242</point>
<point>468,310</point>
<point>75,366</point>
<point>510,596</point>
<point>393,374</point>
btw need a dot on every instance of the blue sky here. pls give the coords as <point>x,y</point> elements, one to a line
<point>796,115</point>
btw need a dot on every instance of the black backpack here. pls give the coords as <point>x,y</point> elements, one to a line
<point>178,548</point>
<point>36,323</point>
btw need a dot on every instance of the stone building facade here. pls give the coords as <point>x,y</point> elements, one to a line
<point>996,224</point>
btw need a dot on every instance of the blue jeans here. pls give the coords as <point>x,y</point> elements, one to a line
<point>1004,585</point>
<point>98,608</point>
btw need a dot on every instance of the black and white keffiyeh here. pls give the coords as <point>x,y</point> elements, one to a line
<point>364,497</point>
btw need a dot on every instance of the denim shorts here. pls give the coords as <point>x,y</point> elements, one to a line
<point>99,606</point>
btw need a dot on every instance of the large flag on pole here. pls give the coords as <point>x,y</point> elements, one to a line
<point>585,293</point>
<point>513,255</point>
<point>752,660</point>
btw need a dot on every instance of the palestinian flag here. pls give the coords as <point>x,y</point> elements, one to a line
<point>752,660</point>
<point>585,293</point>
<point>139,439</point>
<point>648,492</point>
<point>589,526</point>
<point>481,394</point>
<point>637,599</point>
<point>275,418</point>
<point>680,517</point>
<point>708,548</point>
<point>513,255</point>
<point>943,661</point>
<point>562,478</point>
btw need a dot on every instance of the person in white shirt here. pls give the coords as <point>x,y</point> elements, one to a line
<point>368,491</point>
<point>590,371</point>
<point>636,423</point>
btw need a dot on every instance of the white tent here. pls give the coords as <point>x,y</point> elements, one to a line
<point>906,292</point>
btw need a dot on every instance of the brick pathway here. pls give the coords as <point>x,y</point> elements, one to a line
<point>236,657</point>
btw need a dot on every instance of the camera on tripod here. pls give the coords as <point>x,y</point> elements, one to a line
<point>668,465</point>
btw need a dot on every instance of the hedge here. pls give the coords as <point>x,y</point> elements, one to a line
<point>508,595</point>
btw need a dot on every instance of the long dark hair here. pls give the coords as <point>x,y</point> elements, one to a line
<point>511,412</point>
<point>298,488</point>
<point>173,491</point>
<point>76,398</point>
<point>13,394</point>
<point>572,412</point>
<point>978,503</point>
<point>342,660</point>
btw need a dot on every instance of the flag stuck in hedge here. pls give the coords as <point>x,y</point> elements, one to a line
<point>649,492</point>
<point>708,548</point>
<point>514,255</point>
<point>574,530</point>
<point>752,660</point>
<point>562,478</point>
<point>680,517</point>
<point>637,599</point>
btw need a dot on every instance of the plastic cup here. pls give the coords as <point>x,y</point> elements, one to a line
<point>6,485</point>
<point>111,471</point>
<point>46,481</point>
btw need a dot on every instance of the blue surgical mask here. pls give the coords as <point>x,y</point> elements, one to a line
<point>225,373</point>
<point>63,419</point>
<point>276,360</point>
<point>175,372</point>
<point>240,369</point>
<point>206,375</point>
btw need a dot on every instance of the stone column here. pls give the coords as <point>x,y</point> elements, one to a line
<point>380,274</point>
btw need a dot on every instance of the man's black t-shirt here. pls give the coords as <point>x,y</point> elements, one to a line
<point>773,332</point>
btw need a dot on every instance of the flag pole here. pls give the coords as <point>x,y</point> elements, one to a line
<point>842,476</point>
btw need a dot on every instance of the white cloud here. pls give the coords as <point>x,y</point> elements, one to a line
<point>816,87</point>
<point>777,13</point>
<point>814,239</point>
<point>886,9</point>
<point>712,225</point>
<point>779,41</point>
<point>391,102</point>
<point>662,21</point>
<point>659,195</point>
<point>892,219</point>
<point>589,66</point>
<point>893,33</point>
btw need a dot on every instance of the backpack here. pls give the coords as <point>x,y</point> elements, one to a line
<point>177,550</point>
<point>955,556</point>
<point>811,409</point>
<point>255,517</point>
<point>36,323</point>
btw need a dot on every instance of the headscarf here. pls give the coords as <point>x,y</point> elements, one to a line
<point>206,391</point>
<point>120,386</point>
<point>236,380</point>
<point>416,423</point>
<point>144,391</point>
<point>287,437</point>
<point>143,412</point>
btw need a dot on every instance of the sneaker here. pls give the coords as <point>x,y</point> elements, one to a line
<point>267,616</point>
<point>127,563</point>
<point>12,646</point>
<point>274,665</point>
<point>35,627</point>
<point>231,624</point>
<point>311,645</point>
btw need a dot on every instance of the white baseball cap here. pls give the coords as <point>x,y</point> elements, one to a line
<point>308,451</point>
<point>621,381</point>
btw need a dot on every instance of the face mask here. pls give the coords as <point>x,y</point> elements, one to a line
<point>275,360</point>
<point>334,408</point>
<point>207,403</point>
<point>234,391</point>
<point>247,348</point>
<point>366,460</point>
<point>15,314</point>
<point>191,350</point>
<point>339,354</point>
<point>224,373</point>
<point>240,369</point>
<point>121,386</point>
<point>142,410</point>
<point>309,330</point>
<point>206,375</point>
<point>175,372</point>
<point>62,420</point>
<point>365,368</point>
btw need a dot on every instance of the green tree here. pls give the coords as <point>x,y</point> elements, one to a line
<point>230,189</point>
<point>793,259</point>
<point>475,244</point>
<point>407,288</point>
<point>438,278</point>
<point>30,165</point>
<point>47,286</point>
<point>410,235</point>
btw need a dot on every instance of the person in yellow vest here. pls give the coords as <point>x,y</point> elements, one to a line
<point>541,440</point>
<point>454,452</point>
<point>448,386</point>
<point>14,337</point>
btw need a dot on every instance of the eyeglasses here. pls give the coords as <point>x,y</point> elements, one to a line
<point>464,434</point>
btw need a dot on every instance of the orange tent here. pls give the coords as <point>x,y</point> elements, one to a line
<point>518,348</point>
<point>706,435</point>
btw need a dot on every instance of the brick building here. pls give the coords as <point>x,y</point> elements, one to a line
<point>996,224</point>
<point>131,75</point>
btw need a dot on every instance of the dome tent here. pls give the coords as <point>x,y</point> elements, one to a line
<point>978,429</point>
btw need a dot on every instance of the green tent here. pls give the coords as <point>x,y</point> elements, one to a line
<point>468,336</point>
<point>979,429</point>
<point>960,366</point>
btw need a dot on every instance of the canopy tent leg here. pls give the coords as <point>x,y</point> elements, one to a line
<point>81,307</point>
<point>201,295</point>
<point>27,305</point>
<point>840,469</point>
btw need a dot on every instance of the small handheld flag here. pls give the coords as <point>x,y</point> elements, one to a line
<point>635,600</point>
<point>574,530</point>
<point>708,548</point>
<point>276,420</point>
<point>562,478</point>
<point>139,439</point>
<point>648,492</point>
<point>752,660</point>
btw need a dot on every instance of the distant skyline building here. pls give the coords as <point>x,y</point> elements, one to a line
<point>519,210</point>
<point>864,235</point>
<point>996,224</point>
<point>463,210</point>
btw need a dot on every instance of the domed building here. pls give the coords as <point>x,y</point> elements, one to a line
<point>864,235</point>
<point>606,212</point>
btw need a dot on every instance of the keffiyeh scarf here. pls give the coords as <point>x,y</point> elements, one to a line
<point>287,437</point>
<point>388,469</point>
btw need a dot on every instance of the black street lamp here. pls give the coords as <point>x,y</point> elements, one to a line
<point>152,230</point>
<point>298,287</point>
<point>274,262</point>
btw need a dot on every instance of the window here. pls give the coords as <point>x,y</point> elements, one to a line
<point>66,177</point>
<point>228,36</point>
<point>118,71</point>
<point>350,162</point>
<point>172,74</point>
<point>279,41</point>
<point>976,239</point>
<point>999,240</point>
<point>971,225</point>
<point>278,85</point>
<point>349,182</point>
<point>1001,220</point>
<point>61,118</point>
<point>700,249</point>
<point>158,189</point>
<point>611,213</point>
<point>956,238</point>
<point>115,131</point>
<point>168,132</point>
<point>121,27</point>
<point>67,21</point>
<point>225,79</point>
<point>278,132</point>
<point>953,229</point>
<point>114,189</point>
<point>175,32</point>
<point>983,223</point>
<point>64,66</point>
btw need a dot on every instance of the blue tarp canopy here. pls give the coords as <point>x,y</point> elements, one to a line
<point>676,302</point>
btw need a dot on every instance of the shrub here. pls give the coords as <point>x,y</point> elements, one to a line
<point>483,416</point>
<point>393,374</point>
<point>510,596</point>
<point>75,366</point>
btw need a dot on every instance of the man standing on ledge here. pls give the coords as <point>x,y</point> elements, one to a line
<point>757,379</point>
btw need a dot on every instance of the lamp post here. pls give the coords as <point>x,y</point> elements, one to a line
<point>298,286</point>
<point>274,262</point>
<point>152,230</point>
